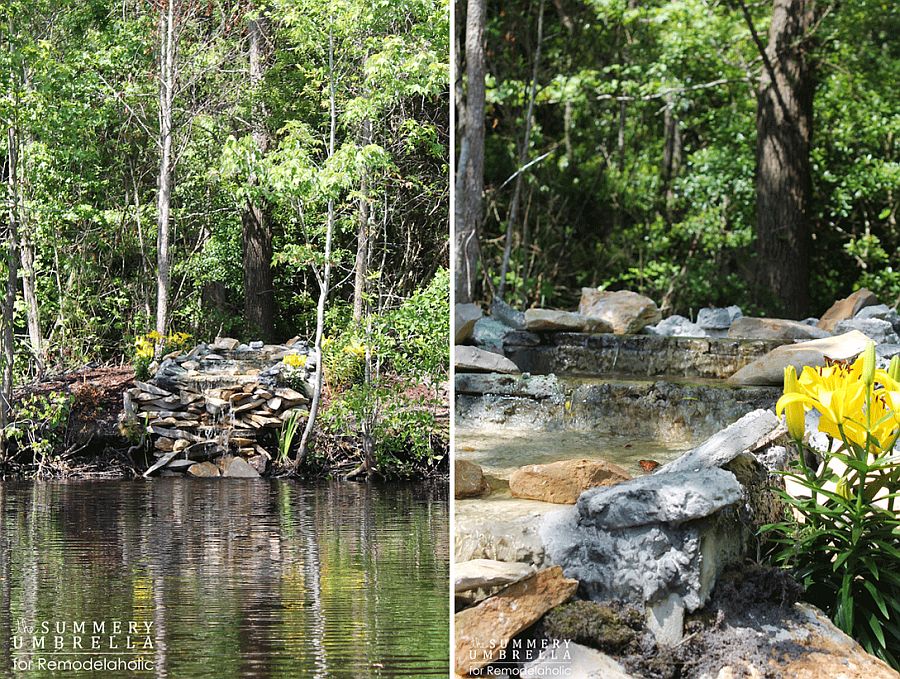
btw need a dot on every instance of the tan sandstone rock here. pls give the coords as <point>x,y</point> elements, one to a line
<point>627,312</point>
<point>503,616</point>
<point>562,482</point>
<point>847,308</point>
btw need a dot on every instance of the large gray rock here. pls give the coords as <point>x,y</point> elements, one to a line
<point>718,318</point>
<point>627,312</point>
<point>650,539</point>
<point>673,499</point>
<point>878,330</point>
<point>676,326</point>
<point>542,320</point>
<point>504,313</point>
<point>472,359</point>
<point>769,369</point>
<point>774,328</point>
<point>464,317</point>
<point>847,308</point>
<point>748,433</point>
<point>487,573</point>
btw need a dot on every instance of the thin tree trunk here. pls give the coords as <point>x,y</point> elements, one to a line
<point>783,179</point>
<point>32,308</point>
<point>9,301</point>
<point>164,193</point>
<point>259,287</point>
<point>523,157</point>
<point>362,233</point>
<point>470,165</point>
<point>326,274</point>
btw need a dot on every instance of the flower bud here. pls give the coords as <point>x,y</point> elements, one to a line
<point>793,412</point>
<point>868,367</point>
<point>894,369</point>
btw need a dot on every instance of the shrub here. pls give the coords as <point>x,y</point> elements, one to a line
<point>843,540</point>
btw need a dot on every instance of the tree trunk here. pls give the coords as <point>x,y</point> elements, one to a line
<point>513,216</point>
<point>325,280</point>
<point>164,185</point>
<point>9,300</point>
<point>362,233</point>
<point>783,182</point>
<point>32,308</point>
<point>470,165</point>
<point>259,287</point>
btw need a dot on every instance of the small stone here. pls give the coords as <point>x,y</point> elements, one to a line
<point>676,326</point>
<point>180,444</point>
<point>259,462</point>
<point>665,619</point>
<point>468,480</point>
<point>205,470</point>
<point>224,344</point>
<point>257,345</point>
<point>718,318</point>
<point>465,316</point>
<point>504,313</point>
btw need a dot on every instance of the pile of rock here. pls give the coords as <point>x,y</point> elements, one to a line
<point>220,399</point>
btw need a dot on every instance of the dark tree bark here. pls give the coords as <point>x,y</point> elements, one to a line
<point>470,164</point>
<point>783,181</point>
<point>256,227</point>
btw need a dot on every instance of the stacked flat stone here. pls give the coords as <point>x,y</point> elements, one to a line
<point>220,398</point>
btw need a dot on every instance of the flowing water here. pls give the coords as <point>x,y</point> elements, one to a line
<point>224,579</point>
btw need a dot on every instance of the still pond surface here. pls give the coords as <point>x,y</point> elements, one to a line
<point>224,579</point>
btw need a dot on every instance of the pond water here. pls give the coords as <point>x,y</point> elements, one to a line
<point>237,578</point>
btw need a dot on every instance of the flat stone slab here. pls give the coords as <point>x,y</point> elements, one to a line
<point>723,447</point>
<point>503,616</point>
<point>769,369</point>
<point>541,320</point>
<point>774,328</point>
<point>488,573</point>
<point>477,360</point>
<point>673,498</point>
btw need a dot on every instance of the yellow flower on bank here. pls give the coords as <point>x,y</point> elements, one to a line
<point>294,360</point>
<point>356,348</point>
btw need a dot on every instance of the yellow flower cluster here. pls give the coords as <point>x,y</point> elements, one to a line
<point>356,348</point>
<point>145,345</point>
<point>294,360</point>
<point>860,405</point>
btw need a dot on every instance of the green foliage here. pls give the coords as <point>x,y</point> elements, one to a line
<point>38,422</point>
<point>286,436</point>
<point>670,80</point>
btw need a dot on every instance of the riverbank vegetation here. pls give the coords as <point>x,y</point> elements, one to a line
<point>635,146</point>
<point>176,171</point>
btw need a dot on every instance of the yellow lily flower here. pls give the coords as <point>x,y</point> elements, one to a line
<point>794,412</point>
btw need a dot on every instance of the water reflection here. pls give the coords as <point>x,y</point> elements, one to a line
<point>234,579</point>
